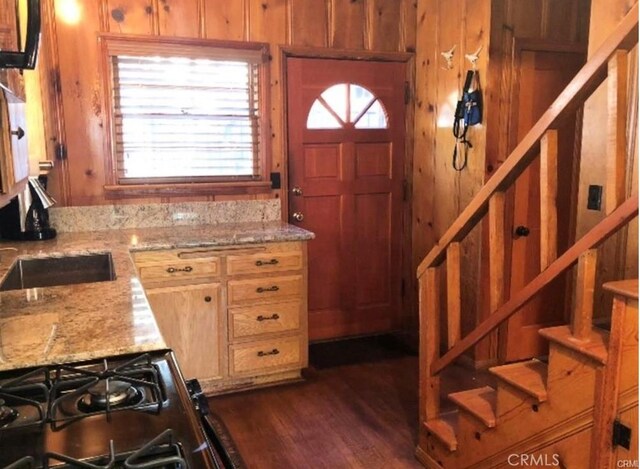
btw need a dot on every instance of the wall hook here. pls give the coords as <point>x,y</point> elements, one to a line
<point>448,56</point>
<point>473,58</point>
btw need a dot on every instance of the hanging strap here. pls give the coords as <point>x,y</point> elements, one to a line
<point>461,136</point>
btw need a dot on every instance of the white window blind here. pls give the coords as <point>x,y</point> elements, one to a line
<point>178,118</point>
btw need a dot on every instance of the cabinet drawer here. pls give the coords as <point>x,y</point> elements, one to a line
<point>180,270</point>
<point>258,356</point>
<point>264,319</point>
<point>264,289</point>
<point>176,255</point>
<point>264,262</point>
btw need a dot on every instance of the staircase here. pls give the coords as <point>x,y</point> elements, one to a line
<point>558,411</point>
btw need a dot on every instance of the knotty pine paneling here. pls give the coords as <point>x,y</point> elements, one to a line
<point>347,24</point>
<point>618,256</point>
<point>439,192</point>
<point>71,82</point>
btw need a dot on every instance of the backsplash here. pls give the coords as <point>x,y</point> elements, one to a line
<point>113,217</point>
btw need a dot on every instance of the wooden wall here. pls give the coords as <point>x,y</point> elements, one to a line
<point>440,193</point>
<point>619,256</point>
<point>71,88</point>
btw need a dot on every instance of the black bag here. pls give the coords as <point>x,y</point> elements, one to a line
<point>468,113</point>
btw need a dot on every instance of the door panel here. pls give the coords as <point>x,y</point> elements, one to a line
<point>541,76</point>
<point>346,181</point>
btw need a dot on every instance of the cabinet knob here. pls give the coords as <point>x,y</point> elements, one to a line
<point>207,299</point>
<point>18,133</point>
<point>521,231</point>
<point>298,216</point>
<point>296,190</point>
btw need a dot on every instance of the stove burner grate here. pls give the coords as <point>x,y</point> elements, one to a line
<point>78,392</point>
<point>29,391</point>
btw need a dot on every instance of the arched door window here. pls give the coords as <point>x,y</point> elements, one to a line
<point>347,105</point>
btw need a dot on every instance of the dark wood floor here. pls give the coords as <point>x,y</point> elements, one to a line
<point>353,416</point>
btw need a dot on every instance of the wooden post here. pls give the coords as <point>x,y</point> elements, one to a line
<point>454,300</point>
<point>548,198</point>
<point>497,246</point>
<point>624,322</point>
<point>616,130</point>
<point>582,320</point>
<point>429,405</point>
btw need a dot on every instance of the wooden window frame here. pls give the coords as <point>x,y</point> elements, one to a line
<point>119,44</point>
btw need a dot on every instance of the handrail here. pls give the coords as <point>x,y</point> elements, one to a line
<point>596,236</point>
<point>579,89</point>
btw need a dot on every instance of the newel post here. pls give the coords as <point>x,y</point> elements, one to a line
<point>429,283</point>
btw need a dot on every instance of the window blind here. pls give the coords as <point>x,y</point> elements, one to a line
<point>179,117</point>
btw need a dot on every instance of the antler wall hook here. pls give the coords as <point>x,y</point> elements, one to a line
<point>448,57</point>
<point>473,58</point>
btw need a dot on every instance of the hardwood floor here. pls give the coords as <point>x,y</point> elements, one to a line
<point>354,416</point>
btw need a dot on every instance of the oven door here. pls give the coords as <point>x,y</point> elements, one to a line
<point>25,59</point>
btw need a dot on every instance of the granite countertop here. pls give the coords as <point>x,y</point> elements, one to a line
<point>64,324</point>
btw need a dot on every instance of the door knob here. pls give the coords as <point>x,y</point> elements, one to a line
<point>521,231</point>
<point>296,190</point>
<point>298,216</point>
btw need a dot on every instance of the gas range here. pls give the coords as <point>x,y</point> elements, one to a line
<point>133,412</point>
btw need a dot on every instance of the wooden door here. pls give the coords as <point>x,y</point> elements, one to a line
<point>540,77</point>
<point>346,127</point>
<point>191,323</point>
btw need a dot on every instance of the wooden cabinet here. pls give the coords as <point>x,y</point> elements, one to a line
<point>14,157</point>
<point>8,25</point>
<point>190,318</point>
<point>236,316</point>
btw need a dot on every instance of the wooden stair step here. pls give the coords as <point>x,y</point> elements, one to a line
<point>529,376</point>
<point>444,429</point>
<point>480,402</point>
<point>628,288</point>
<point>594,347</point>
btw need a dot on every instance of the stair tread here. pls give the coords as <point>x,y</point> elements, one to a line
<point>481,402</point>
<point>444,428</point>
<point>628,288</point>
<point>595,346</point>
<point>529,376</point>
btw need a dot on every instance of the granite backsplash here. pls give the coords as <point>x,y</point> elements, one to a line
<point>113,217</point>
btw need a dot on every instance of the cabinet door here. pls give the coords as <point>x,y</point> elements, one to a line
<point>190,321</point>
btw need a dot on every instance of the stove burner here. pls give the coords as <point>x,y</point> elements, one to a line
<point>112,393</point>
<point>7,414</point>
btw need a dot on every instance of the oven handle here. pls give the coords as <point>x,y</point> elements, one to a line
<point>215,429</point>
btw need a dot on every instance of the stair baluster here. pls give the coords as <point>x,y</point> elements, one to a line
<point>582,320</point>
<point>548,196</point>
<point>454,298</point>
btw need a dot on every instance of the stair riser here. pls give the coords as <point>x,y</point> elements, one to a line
<point>571,376</point>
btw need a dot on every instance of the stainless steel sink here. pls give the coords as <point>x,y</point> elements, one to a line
<point>56,271</point>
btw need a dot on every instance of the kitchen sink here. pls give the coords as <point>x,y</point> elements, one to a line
<point>56,271</point>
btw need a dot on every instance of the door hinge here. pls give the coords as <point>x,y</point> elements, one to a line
<point>407,92</point>
<point>621,435</point>
<point>61,151</point>
<point>405,190</point>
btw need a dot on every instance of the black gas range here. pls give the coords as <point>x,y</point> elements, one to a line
<point>133,412</point>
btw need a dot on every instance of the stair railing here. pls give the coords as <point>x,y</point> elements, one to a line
<point>609,63</point>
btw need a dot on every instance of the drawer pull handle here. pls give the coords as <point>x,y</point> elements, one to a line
<point>207,299</point>
<point>273,317</point>
<point>275,351</point>
<point>173,270</point>
<point>262,263</point>
<point>267,289</point>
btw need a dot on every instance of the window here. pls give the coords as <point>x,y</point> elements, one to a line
<point>186,111</point>
<point>347,105</point>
